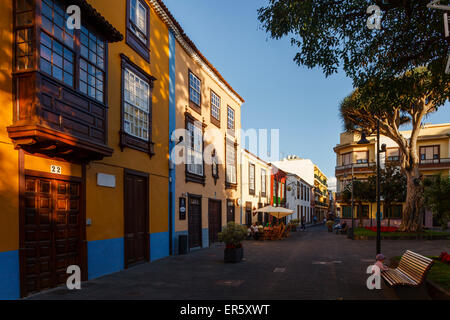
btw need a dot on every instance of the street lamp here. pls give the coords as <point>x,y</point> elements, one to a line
<point>383,149</point>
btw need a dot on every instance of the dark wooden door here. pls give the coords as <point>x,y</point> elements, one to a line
<point>230,211</point>
<point>136,219</point>
<point>195,221</point>
<point>214,220</point>
<point>52,232</point>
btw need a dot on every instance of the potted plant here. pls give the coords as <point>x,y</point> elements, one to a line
<point>232,235</point>
<point>294,224</point>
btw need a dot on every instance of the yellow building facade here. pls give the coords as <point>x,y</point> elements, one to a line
<point>84,140</point>
<point>321,193</point>
<point>205,127</point>
<point>359,161</point>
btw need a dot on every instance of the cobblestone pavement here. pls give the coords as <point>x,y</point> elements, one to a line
<point>312,264</point>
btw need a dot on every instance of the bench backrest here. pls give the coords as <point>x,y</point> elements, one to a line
<point>415,266</point>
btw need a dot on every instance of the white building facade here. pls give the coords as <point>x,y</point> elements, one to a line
<point>255,187</point>
<point>298,198</point>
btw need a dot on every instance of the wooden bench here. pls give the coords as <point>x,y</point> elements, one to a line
<point>411,270</point>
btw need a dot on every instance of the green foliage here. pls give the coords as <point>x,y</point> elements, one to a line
<point>437,197</point>
<point>392,184</point>
<point>233,234</point>
<point>392,187</point>
<point>333,34</point>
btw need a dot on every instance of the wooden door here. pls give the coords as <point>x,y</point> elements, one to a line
<point>214,220</point>
<point>195,221</point>
<point>230,211</point>
<point>136,219</point>
<point>248,213</point>
<point>51,232</point>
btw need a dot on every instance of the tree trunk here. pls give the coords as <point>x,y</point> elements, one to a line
<point>412,217</point>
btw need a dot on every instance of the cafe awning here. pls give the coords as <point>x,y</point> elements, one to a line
<point>277,212</point>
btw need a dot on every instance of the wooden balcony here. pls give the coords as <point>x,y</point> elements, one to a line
<point>368,167</point>
<point>54,120</point>
<point>440,163</point>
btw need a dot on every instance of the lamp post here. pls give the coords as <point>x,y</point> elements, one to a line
<point>383,149</point>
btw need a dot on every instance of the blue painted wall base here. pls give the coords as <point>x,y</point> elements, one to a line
<point>159,245</point>
<point>9,275</point>
<point>105,257</point>
<point>205,238</point>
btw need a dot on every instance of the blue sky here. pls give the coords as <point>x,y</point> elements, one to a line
<point>302,103</point>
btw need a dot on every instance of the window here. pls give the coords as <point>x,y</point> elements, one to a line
<point>230,119</point>
<point>230,162</point>
<point>251,179</point>
<point>92,64</point>
<point>347,159</point>
<point>24,35</point>
<point>136,106</point>
<point>194,89</point>
<point>392,154</point>
<point>394,211</point>
<point>263,183</point>
<point>298,190</point>
<point>194,148</point>
<point>347,212</point>
<point>215,106</point>
<point>139,17</point>
<point>138,27</point>
<point>429,154</point>
<point>56,60</point>
<point>60,51</point>
<point>136,116</point>
<point>365,211</point>
<point>361,157</point>
<point>57,44</point>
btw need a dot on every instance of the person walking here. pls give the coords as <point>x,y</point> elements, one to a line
<point>303,226</point>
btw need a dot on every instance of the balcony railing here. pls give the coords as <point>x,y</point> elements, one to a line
<point>435,162</point>
<point>323,181</point>
<point>357,167</point>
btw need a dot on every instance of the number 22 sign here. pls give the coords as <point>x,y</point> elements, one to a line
<point>55,169</point>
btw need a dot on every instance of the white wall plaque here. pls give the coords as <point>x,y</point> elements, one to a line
<point>55,169</point>
<point>106,180</point>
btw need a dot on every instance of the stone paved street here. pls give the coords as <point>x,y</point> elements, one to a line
<point>313,264</point>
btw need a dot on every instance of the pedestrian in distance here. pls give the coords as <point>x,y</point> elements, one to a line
<point>303,226</point>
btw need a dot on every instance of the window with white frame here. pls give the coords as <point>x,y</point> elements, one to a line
<point>251,178</point>
<point>138,17</point>
<point>136,106</point>
<point>194,148</point>
<point>215,105</point>
<point>263,182</point>
<point>231,162</point>
<point>230,118</point>
<point>194,89</point>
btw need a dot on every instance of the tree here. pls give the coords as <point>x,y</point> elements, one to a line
<point>392,186</point>
<point>333,34</point>
<point>437,191</point>
<point>399,70</point>
<point>393,102</point>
